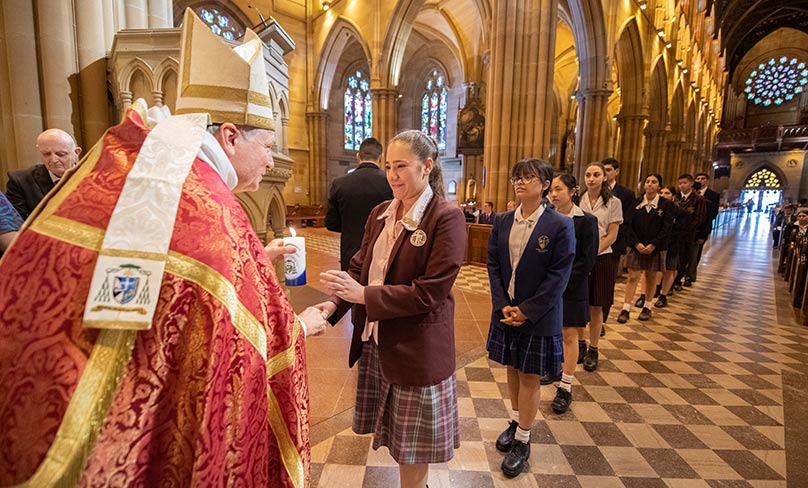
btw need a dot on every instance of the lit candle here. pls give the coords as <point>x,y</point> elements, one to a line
<point>295,264</point>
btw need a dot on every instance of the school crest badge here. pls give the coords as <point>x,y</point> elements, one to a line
<point>418,238</point>
<point>544,242</point>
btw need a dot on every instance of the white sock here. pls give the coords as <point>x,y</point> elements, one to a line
<point>566,382</point>
<point>522,435</point>
<point>515,416</point>
<point>627,307</point>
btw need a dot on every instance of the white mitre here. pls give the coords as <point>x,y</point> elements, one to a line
<point>228,83</point>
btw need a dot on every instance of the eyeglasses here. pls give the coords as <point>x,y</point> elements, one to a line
<point>523,179</point>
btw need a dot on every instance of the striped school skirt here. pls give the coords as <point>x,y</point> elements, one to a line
<point>601,282</point>
<point>417,424</point>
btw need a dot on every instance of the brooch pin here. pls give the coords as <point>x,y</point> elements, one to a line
<point>418,238</point>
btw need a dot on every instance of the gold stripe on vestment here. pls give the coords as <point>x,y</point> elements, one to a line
<point>66,458</point>
<point>289,455</point>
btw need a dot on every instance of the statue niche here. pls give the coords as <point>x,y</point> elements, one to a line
<point>471,123</point>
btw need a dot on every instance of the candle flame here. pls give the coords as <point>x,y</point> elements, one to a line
<point>292,231</point>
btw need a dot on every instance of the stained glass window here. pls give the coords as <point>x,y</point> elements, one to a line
<point>220,23</point>
<point>764,178</point>
<point>358,109</point>
<point>434,104</point>
<point>776,81</point>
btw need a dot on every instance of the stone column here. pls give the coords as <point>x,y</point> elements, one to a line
<point>92,70</point>
<point>519,99</point>
<point>385,114</point>
<point>673,156</point>
<point>629,148</point>
<point>58,64</point>
<point>688,160</point>
<point>592,130</point>
<point>160,15</point>
<point>20,101</point>
<point>285,133</point>
<point>654,153</point>
<point>137,14</point>
<point>316,123</point>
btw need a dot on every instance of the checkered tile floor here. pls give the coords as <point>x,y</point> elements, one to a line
<point>692,398</point>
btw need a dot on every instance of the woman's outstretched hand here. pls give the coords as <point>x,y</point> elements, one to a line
<point>342,285</point>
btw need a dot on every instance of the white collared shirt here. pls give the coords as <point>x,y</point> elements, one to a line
<point>383,246</point>
<point>517,240</point>
<point>649,205</point>
<point>612,213</point>
<point>575,211</point>
<point>686,195</point>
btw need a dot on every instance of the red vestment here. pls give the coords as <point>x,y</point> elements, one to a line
<point>195,400</point>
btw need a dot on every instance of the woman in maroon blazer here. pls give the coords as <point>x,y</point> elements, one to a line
<point>400,286</point>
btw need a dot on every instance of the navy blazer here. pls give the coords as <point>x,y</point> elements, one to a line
<point>586,252</point>
<point>541,275</point>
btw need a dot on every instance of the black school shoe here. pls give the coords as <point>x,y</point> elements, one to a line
<point>561,402</point>
<point>591,360</point>
<point>581,352</point>
<point>645,314</point>
<point>515,460</point>
<point>661,302</point>
<point>505,439</point>
<point>623,317</point>
<point>640,303</point>
<point>549,379</point>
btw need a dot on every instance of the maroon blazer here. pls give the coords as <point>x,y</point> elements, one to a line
<point>415,306</point>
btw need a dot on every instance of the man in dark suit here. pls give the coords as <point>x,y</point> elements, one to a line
<point>627,198</point>
<point>353,196</point>
<point>693,203</point>
<point>711,201</point>
<point>27,187</point>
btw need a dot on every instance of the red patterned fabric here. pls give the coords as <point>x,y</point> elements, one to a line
<point>192,408</point>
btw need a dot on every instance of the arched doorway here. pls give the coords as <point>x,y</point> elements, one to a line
<point>763,188</point>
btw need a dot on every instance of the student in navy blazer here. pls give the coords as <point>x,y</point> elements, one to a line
<point>530,255</point>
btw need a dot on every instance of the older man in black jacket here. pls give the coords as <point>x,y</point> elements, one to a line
<point>353,196</point>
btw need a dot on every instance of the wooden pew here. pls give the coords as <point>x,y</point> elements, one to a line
<point>477,243</point>
<point>305,215</point>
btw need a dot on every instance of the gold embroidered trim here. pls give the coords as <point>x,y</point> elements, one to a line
<point>284,359</point>
<point>228,94</point>
<point>91,238</point>
<point>224,291</point>
<point>234,117</point>
<point>126,253</point>
<point>70,231</point>
<point>289,456</point>
<point>118,325</point>
<point>64,463</point>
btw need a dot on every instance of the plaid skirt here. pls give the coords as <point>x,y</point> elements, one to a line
<point>601,281</point>
<point>418,424</point>
<point>527,353</point>
<point>671,262</point>
<point>646,262</point>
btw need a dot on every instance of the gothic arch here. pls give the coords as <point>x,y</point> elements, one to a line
<point>589,30</point>
<point>764,164</point>
<point>658,96</point>
<point>630,72</point>
<point>165,68</point>
<point>276,212</point>
<point>137,64</point>
<point>342,33</point>
<point>677,111</point>
<point>388,67</point>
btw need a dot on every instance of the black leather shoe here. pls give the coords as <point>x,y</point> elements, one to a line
<point>661,302</point>
<point>603,330</point>
<point>549,379</point>
<point>645,314</point>
<point>581,351</point>
<point>591,360</point>
<point>515,460</point>
<point>688,282</point>
<point>677,287</point>
<point>505,439</point>
<point>623,317</point>
<point>561,402</point>
<point>640,303</point>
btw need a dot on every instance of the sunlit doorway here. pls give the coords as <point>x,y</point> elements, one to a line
<point>762,191</point>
